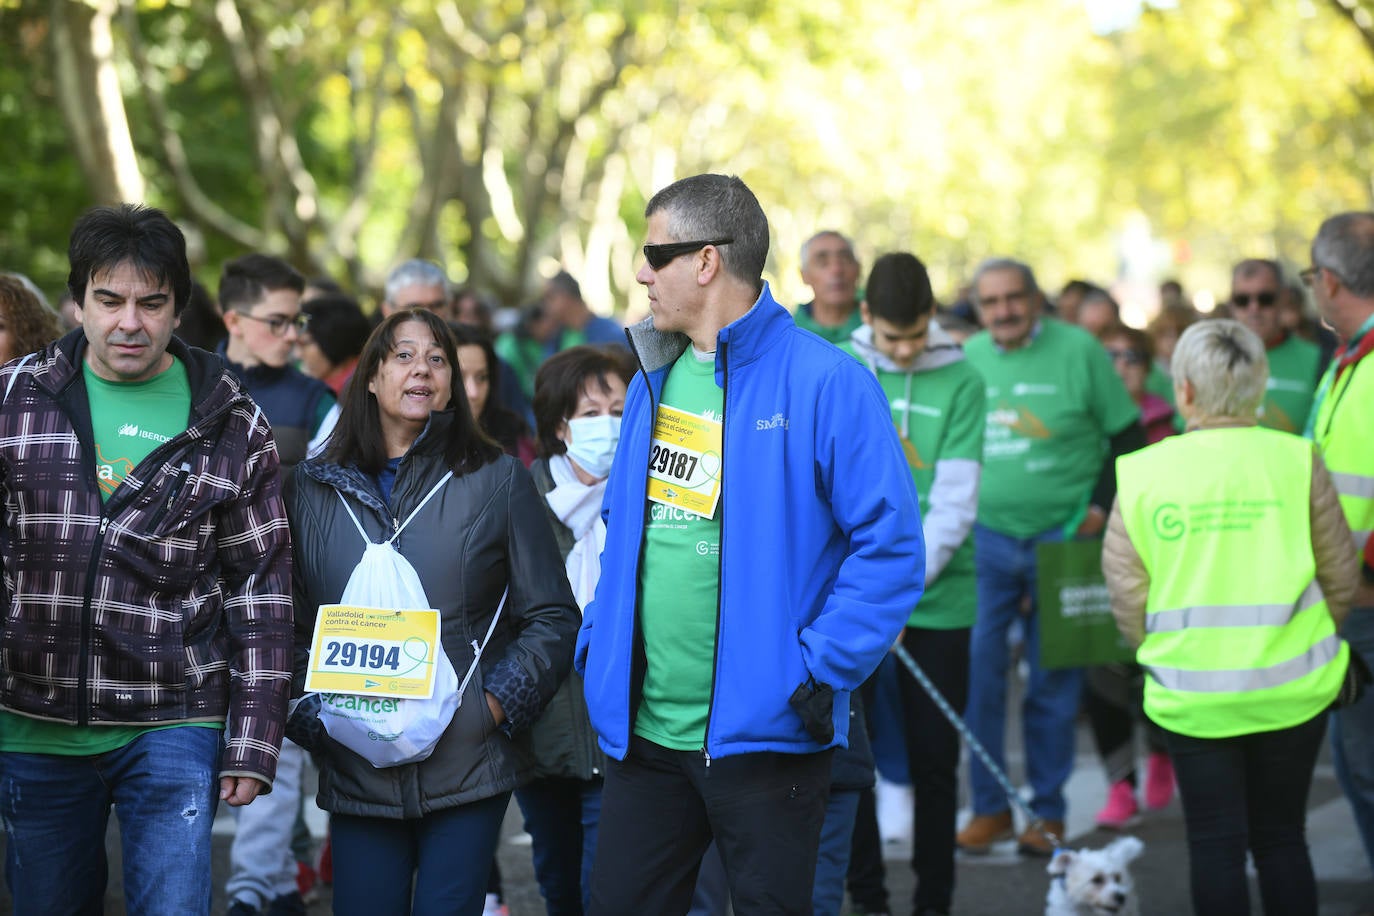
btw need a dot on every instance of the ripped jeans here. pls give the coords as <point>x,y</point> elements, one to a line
<point>165,786</point>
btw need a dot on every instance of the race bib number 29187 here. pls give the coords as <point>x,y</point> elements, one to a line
<point>684,461</point>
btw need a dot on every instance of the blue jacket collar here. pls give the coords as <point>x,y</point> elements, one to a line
<point>744,339</point>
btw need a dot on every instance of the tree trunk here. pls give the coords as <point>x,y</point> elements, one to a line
<point>89,95</point>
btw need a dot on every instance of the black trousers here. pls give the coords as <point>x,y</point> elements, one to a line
<point>661,808</point>
<point>1249,791</point>
<point>1113,701</point>
<point>932,749</point>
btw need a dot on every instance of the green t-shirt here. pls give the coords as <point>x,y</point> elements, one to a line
<point>836,334</point>
<point>129,420</point>
<point>1052,404</point>
<point>679,589</point>
<point>939,416</point>
<point>524,355</point>
<point>1292,381</point>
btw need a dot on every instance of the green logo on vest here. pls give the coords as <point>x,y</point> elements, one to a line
<point>1167,523</point>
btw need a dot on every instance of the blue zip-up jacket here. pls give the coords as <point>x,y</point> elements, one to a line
<point>821,555</point>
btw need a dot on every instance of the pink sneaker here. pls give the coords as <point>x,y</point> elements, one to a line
<point>1159,781</point>
<point>1121,809</point>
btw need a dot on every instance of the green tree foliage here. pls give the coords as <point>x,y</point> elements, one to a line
<point>505,136</point>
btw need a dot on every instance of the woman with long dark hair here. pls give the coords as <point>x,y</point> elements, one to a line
<point>481,381</point>
<point>419,837</point>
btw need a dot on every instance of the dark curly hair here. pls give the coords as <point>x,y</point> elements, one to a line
<point>30,323</point>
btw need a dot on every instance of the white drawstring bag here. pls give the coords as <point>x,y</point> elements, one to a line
<point>406,730</point>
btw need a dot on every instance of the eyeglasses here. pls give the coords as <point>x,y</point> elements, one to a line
<point>1309,276</point>
<point>1129,357</point>
<point>1263,300</point>
<point>278,324</point>
<point>660,256</point>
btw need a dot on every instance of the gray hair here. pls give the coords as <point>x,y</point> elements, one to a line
<point>718,206</point>
<point>1225,362</point>
<point>826,233</point>
<point>991,265</point>
<point>1251,266</point>
<point>1345,246</point>
<point>416,272</point>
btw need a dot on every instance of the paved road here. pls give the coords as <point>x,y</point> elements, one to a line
<point>1001,883</point>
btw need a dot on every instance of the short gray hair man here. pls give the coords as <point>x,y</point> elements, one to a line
<point>417,284</point>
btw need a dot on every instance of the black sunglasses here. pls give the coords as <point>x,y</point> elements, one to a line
<point>1263,300</point>
<point>660,256</point>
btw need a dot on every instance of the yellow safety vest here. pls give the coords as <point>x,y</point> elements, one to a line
<point>1238,638</point>
<point>1344,431</point>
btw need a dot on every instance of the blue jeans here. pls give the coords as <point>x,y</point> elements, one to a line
<point>1352,734</point>
<point>561,817</point>
<point>832,858</point>
<point>1006,573</point>
<point>165,784</point>
<point>436,864</point>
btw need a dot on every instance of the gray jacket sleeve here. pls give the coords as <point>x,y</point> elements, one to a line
<point>953,507</point>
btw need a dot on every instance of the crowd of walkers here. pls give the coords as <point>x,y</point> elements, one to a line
<point>669,563</point>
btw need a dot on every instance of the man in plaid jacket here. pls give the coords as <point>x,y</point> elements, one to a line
<point>146,630</point>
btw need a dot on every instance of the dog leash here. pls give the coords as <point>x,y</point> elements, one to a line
<point>1037,823</point>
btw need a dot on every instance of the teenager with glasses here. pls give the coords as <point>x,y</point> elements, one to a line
<point>261,299</point>
<point>1256,285</point>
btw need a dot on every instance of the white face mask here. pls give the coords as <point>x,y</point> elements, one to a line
<point>593,443</point>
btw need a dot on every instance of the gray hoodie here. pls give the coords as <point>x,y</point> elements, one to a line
<point>949,508</point>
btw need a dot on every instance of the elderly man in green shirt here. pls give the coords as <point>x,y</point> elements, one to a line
<point>1057,418</point>
<point>830,268</point>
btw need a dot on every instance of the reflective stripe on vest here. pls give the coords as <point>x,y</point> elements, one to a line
<point>1249,679</point>
<point>1238,637</point>
<point>1357,485</point>
<point>1233,615</point>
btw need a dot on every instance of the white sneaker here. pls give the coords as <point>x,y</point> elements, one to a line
<point>896,809</point>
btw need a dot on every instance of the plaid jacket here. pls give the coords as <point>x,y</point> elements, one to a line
<point>169,603</point>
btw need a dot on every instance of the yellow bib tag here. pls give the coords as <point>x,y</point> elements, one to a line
<point>684,461</point>
<point>373,652</point>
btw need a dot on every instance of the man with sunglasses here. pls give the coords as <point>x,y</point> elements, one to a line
<point>763,550</point>
<point>1256,285</point>
<point>260,296</point>
<point>1342,424</point>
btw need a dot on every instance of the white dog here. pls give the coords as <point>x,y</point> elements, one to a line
<point>1094,882</point>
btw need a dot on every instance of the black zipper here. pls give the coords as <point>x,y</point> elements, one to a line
<point>182,474</point>
<point>83,700</point>
<point>107,511</point>
<point>720,557</point>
